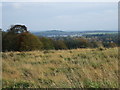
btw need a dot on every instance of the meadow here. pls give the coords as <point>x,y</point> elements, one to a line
<point>76,68</point>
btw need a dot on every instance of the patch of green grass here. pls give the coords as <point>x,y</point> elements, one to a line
<point>91,84</point>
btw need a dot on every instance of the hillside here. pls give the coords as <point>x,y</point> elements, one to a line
<point>56,33</point>
<point>86,68</point>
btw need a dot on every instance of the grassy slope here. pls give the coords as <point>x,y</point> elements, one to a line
<point>63,69</point>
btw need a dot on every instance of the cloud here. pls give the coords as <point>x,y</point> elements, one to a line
<point>66,16</point>
<point>17,5</point>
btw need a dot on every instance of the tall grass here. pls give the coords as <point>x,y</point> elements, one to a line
<point>77,68</point>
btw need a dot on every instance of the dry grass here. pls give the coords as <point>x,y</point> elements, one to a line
<point>86,68</point>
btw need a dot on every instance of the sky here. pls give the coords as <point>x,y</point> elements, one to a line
<point>66,16</point>
<point>0,14</point>
<point>60,0</point>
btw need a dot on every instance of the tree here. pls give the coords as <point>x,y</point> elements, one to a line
<point>82,43</point>
<point>27,42</point>
<point>112,44</point>
<point>59,44</point>
<point>96,44</point>
<point>47,43</point>
<point>18,38</point>
<point>74,43</point>
<point>17,29</point>
<point>9,42</point>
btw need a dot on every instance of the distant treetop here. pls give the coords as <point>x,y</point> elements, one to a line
<point>18,29</point>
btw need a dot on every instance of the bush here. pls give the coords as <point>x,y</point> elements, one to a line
<point>47,43</point>
<point>101,48</point>
<point>21,42</point>
<point>59,45</point>
<point>9,42</point>
<point>28,42</point>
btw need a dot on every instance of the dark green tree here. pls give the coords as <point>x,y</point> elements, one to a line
<point>59,44</point>
<point>9,42</point>
<point>47,43</point>
<point>17,29</point>
<point>17,38</point>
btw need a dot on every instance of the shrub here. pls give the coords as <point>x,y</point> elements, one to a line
<point>9,42</point>
<point>47,43</point>
<point>17,38</point>
<point>28,42</point>
<point>101,48</point>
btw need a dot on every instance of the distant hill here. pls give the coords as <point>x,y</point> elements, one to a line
<point>50,33</point>
<point>55,33</point>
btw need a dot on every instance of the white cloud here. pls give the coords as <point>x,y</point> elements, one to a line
<point>70,16</point>
<point>17,5</point>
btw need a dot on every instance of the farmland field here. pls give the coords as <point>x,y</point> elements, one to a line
<point>76,68</point>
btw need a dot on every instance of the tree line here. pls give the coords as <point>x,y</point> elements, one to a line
<point>18,38</point>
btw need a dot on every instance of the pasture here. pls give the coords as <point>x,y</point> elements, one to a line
<point>76,68</point>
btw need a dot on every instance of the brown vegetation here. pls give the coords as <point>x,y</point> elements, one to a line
<point>86,68</point>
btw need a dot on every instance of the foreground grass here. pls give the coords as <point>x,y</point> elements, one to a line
<point>80,68</point>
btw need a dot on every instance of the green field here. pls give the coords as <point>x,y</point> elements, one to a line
<point>77,68</point>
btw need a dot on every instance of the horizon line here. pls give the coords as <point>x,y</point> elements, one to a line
<point>71,30</point>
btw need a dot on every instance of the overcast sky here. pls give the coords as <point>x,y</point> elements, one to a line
<point>67,16</point>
